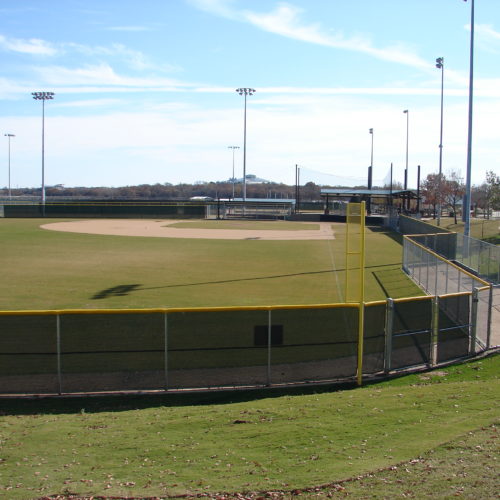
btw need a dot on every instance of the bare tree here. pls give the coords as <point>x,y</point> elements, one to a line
<point>453,189</point>
<point>480,198</point>
<point>430,190</point>
<point>492,191</point>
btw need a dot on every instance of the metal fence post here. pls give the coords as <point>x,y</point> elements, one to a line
<point>490,311</point>
<point>446,282</point>
<point>436,277</point>
<point>434,331</point>
<point>405,250</point>
<point>473,321</point>
<point>427,265</point>
<point>489,263</point>
<point>498,270</point>
<point>389,328</point>
<point>269,341</point>
<point>420,266</point>
<point>58,341</point>
<point>165,354</point>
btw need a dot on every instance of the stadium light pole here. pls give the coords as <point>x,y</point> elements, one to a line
<point>440,65</point>
<point>407,113</point>
<point>233,148</point>
<point>245,92</point>
<point>9,137</point>
<point>371,158</point>
<point>467,197</point>
<point>43,96</point>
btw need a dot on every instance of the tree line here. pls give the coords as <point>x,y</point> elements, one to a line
<point>448,190</point>
<point>162,191</point>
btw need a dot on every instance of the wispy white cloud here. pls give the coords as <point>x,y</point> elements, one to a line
<point>103,78</point>
<point>101,75</point>
<point>135,59</point>
<point>285,20</point>
<point>32,46</point>
<point>88,103</point>
<point>483,88</point>
<point>488,39</point>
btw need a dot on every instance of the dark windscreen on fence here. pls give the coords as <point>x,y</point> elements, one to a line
<point>374,339</point>
<point>412,333</point>
<point>453,335</point>
<point>28,354</point>
<point>216,348</point>
<point>112,351</point>
<point>315,344</point>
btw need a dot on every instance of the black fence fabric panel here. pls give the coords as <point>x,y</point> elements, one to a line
<point>112,351</point>
<point>444,244</point>
<point>216,348</point>
<point>453,337</point>
<point>374,338</point>
<point>110,209</point>
<point>28,354</point>
<point>412,333</point>
<point>315,344</point>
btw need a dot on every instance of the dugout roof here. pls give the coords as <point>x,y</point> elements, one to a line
<point>375,193</point>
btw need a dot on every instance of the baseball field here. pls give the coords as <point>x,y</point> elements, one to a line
<point>145,264</point>
<point>430,434</point>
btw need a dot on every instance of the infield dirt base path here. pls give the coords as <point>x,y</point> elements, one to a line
<point>163,229</point>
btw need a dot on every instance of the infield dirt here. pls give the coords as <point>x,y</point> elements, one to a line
<point>165,229</point>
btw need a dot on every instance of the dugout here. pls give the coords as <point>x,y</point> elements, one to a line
<point>251,208</point>
<point>378,201</point>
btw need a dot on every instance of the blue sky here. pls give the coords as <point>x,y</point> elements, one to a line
<point>145,91</point>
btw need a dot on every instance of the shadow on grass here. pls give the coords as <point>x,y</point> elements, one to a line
<point>398,238</point>
<point>122,290</point>
<point>80,404</point>
<point>116,291</point>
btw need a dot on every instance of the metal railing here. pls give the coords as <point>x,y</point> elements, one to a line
<point>439,276</point>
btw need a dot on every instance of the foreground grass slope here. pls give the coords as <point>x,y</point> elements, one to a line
<point>53,270</point>
<point>465,467</point>
<point>171,445</point>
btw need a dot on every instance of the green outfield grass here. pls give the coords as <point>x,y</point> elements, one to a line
<point>482,229</point>
<point>283,441</point>
<point>54,270</point>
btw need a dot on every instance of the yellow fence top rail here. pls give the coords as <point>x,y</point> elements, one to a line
<point>168,310</point>
<point>428,250</point>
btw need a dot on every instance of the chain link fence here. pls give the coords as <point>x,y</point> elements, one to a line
<point>478,257</point>
<point>63,352</point>
<point>440,277</point>
<point>481,257</point>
